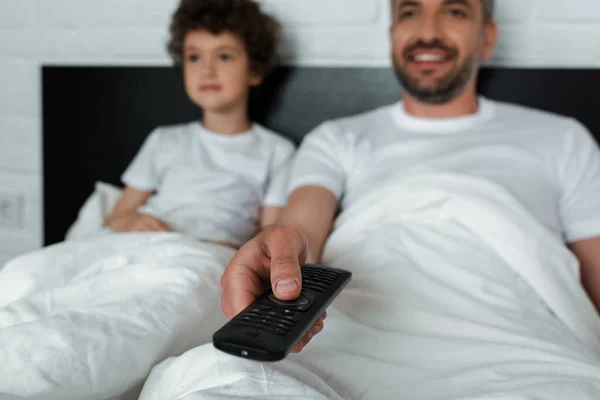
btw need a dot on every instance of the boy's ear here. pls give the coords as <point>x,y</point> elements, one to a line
<point>256,77</point>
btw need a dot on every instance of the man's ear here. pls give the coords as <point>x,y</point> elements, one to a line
<point>490,36</point>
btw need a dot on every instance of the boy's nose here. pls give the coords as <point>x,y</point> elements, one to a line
<point>208,68</point>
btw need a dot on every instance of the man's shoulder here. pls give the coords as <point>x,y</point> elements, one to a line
<point>542,126</point>
<point>521,114</point>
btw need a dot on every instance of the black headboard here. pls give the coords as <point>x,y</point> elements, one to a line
<point>95,118</point>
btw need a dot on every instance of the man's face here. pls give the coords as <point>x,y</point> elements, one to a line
<point>437,46</point>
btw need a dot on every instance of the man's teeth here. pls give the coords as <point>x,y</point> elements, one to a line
<point>428,57</point>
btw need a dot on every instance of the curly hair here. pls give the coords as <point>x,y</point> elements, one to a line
<point>259,32</point>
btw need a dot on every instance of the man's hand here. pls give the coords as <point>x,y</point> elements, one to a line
<point>134,222</point>
<point>274,255</point>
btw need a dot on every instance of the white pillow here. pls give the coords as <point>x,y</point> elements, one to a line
<point>91,216</point>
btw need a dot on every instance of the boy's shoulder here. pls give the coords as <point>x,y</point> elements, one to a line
<point>176,129</point>
<point>273,137</point>
<point>174,133</point>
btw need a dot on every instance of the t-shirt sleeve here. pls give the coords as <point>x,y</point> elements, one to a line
<point>279,175</point>
<point>142,172</point>
<point>579,173</point>
<point>320,161</point>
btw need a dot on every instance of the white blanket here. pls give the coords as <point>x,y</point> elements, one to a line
<point>89,319</point>
<point>458,293</point>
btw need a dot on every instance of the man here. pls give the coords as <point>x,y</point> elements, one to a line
<point>551,164</point>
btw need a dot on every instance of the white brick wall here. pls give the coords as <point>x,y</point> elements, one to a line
<point>554,33</point>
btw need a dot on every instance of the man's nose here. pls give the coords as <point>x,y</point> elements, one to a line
<point>430,29</point>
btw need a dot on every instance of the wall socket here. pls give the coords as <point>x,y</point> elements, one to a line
<point>12,210</point>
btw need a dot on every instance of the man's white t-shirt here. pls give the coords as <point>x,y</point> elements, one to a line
<point>549,162</point>
<point>208,185</point>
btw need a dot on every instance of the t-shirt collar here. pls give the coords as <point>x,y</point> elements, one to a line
<point>444,125</point>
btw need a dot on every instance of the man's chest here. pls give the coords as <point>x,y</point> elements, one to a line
<point>523,170</point>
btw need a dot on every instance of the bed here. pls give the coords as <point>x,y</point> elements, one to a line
<point>133,317</point>
<point>95,118</point>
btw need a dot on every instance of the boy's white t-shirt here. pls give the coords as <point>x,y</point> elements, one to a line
<point>208,185</point>
<point>549,162</point>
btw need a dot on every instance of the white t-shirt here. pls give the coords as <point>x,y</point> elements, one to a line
<point>549,162</point>
<point>210,185</point>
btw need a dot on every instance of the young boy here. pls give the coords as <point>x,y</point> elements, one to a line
<point>217,179</point>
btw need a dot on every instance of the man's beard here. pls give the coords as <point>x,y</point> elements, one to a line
<point>444,89</point>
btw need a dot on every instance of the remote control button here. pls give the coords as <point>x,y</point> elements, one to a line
<point>315,285</point>
<point>274,324</point>
<point>257,326</point>
<point>300,301</point>
<point>252,333</point>
<point>286,322</point>
<point>266,307</point>
<point>287,312</point>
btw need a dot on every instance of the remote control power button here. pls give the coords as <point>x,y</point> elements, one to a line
<point>300,301</point>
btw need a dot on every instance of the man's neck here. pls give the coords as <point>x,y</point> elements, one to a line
<point>465,104</point>
<point>228,122</point>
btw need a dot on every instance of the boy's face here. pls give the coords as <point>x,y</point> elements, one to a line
<point>217,71</point>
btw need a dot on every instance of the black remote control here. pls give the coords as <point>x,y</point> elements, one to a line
<point>269,328</point>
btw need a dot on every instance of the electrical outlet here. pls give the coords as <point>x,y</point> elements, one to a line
<point>12,207</point>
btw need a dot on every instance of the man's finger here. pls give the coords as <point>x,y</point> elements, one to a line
<point>240,288</point>
<point>287,250</point>
<point>242,280</point>
<point>251,256</point>
<point>315,330</point>
<point>318,326</point>
<point>299,346</point>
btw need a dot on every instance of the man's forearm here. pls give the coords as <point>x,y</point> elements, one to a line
<point>588,254</point>
<point>311,210</point>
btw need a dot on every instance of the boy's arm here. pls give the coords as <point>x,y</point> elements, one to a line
<point>125,217</point>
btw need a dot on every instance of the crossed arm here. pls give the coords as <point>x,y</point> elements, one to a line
<point>125,217</point>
